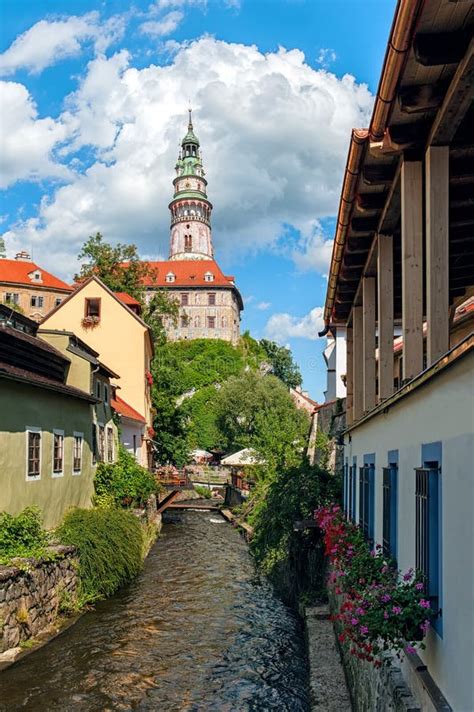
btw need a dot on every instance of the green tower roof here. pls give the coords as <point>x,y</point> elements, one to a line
<point>190,136</point>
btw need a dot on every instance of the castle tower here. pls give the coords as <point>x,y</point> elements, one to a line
<point>190,237</point>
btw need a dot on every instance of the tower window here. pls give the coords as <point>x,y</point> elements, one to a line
<point>188,243</point>
<point>211,322</point>
<point>209,277</point>
<point>170,277</point>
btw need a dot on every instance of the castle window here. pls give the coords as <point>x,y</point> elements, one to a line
<point>170,277</point>
<point>208,277</point>
<point>211,299</point>
<point>188,243</point>
<point>37,301</point>
<point>184,300</point>
<point>211,322</point>
<point>184,322</point>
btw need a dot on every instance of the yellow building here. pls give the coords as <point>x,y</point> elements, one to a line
<point>123,340</point>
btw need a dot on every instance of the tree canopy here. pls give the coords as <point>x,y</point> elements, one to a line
<point>283,365</point>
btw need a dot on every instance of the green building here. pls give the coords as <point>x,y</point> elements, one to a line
<point>53,426</point>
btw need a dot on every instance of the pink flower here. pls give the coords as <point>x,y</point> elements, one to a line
<point>410,650</point>
<point>419,586</point>
<point>385,615</point>
<point>360,611</point>
<point>354,621</point>
<point>397,610</point>
<point>425,626</point>
<point>424,603</point>
<point>385,598</point>
<point>364,630</point>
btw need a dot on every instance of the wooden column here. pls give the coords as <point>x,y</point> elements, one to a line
<point>349,377</point>
<point>385,315</point>
<point>437,251</point>
<point>368,316</point>
<point>412,268</point>
<point>357,361</point>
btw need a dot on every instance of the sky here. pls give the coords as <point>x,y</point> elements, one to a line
<point>94,105</point>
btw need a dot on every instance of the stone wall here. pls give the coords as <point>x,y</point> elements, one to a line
<point>31,596</point>
<point>375,689</point>
<point>330,420</point>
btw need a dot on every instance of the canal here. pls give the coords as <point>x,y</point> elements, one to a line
<point>198,630</point>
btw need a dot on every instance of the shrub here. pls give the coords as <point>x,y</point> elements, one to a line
<point>21,536</point>
<point>110,547</point>
<point>125,480</point>
<point>203,491</point>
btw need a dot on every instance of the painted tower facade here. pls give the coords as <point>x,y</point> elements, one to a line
<point>209,301</point>
<point>190,209</point>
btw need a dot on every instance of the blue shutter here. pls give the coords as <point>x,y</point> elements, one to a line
<point>354,487</point>
<point>369,461</point>
<point>432,458</point>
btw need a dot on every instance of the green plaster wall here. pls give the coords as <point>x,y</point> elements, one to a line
<point>22,405</point>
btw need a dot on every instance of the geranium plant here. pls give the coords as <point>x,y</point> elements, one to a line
<point>382,609</point>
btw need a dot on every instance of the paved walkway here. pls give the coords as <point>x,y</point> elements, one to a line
<point>328,685</point>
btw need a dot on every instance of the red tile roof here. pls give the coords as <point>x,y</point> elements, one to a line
<point>188,273</point>
<point>126,410</point>
<point>127,299</point>
<point>18,271</point>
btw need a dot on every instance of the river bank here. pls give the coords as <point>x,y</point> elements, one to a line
<point>197,630</point>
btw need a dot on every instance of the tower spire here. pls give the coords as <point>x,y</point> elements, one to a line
<point>190,209</point>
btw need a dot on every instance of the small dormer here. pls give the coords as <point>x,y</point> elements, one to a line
<point>36,276</point>
<point>170,277</point>
<point>208,277</point>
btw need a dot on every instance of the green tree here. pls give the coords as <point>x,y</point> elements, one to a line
<point>119,266</point>
<point>161,308</point>
<point>283,365</point>
<point>257,411</point>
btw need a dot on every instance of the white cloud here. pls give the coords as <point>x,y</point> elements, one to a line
<point>159,5</point>
<point>26,141</point>
<point>48,42</point>
<point>163,27</point>
<point>273,131</point>
<point>263,306</point>
<point>326,57</point>
<point>283,326</point>
<point>313,250</point>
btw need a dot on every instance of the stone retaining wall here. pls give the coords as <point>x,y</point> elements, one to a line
<point>30,596</point>
<point>375,689</point>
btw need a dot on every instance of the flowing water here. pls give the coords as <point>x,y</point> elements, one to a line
<point>198,630</point>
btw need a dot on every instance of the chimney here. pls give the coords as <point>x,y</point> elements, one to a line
<point>23,256</point>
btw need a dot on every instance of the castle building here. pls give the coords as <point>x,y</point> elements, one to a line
<point>209,301</point>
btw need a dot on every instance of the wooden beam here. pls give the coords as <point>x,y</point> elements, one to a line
<point>385,315</point>
<point>357,360</point>
<point>368,315</point>
<point>379,174</point>
<point>421,97</point>
<point>437,252</point>
<point>412,268</point>
<point>434,49</point>
<point>456,103</point>
<point>349,376</point>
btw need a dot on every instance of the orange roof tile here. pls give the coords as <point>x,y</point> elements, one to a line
<point>19,271</point>
<point>126,410</point>
<point>128,299</point>
<point>188,273</point>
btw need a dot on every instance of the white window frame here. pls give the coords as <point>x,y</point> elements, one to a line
<point>109,431</point>
<point>104,453</point>
<point>75,435</point>
<point>55,475</point>
<point>33,429</point>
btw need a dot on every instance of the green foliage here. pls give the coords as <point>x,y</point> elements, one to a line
<point>257,411</point>
<point>127,482</point>
<point>171,438</point>
<point>282,363</point>
<point>201,417</point>
<point>119,266</point>
<point>110,547</point>
<point>21,536</point>
<point>203,491</point>
<point>281,498</point>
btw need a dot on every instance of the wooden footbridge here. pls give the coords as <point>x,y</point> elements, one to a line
<point>174,484</point>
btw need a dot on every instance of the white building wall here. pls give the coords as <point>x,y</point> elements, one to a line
<point>441,411</point>
<point>335,357</point>
<point>128,429</point>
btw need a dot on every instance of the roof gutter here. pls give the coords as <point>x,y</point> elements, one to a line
<point>399,43</point>
<point>359,139</point>
<point>401,35</point>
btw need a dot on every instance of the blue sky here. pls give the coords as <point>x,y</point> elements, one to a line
<point>94,105</point>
